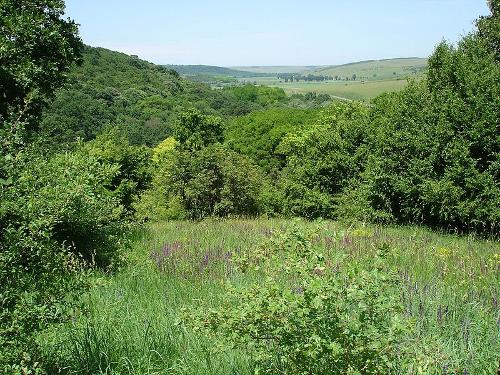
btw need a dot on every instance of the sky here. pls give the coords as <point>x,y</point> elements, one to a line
<point>273,32</point>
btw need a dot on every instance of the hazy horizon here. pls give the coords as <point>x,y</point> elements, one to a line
<point>229,34</point>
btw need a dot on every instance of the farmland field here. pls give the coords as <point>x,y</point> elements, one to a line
<point>134,322</point>
<point>354,90</point>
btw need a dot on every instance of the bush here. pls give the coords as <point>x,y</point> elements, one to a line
<point>57,217</point>
<point>308,318</point>
<point>133,162</point>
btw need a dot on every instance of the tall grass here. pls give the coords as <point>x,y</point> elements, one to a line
<point>130,323</point>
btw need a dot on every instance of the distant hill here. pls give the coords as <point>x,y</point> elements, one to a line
<point>275,69</point>
<point>368,70</point>
<point>209,70</point>
<point>376,69</point>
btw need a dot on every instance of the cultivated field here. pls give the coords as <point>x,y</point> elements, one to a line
<point>353,90</point>
<point>132,323</point>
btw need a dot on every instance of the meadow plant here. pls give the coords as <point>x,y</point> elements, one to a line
<point>307,317</point>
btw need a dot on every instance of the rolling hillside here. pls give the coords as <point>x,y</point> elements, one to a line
<point>376,69</point>
<point>275,69</point>
<point>365,70</point>
<point>209,70</point>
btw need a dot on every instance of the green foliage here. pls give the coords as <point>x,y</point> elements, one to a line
<point>58,216</point>
<point>306,318</point>
<point>212,181</point>
<point>259,133</point>
<point>142,99</point>
<point>50,209</point>
<point>114,88</point>
<point>434,147</point>
<point>262,95</point>
<point>428,154</point>
<point>133,163</point>
<point>323,160</point>
<point>194,130</point>
<point>489,28</point>
<point>37,47</point>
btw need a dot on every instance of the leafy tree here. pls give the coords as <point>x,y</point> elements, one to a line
<point>133,163</point>
<point>194,130</point>
<point>258,134</point>
<point>489,28</point>
<point>434,147</point>
<point>37,50</point>
<point>56,213</point>
<point>211,181</point>
<point>323,160</point>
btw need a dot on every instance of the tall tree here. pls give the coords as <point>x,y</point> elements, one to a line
<point>37,48</point>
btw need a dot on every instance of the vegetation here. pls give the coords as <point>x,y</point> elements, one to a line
<point>376,69</point>
<point>182,275</point>
<point>118,152</point>
<point>347,90</point>
<point>142,100</point>
<point>259,133</point>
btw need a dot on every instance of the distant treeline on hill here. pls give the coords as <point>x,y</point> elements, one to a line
<point>192,70</point>
<point>299,77</point>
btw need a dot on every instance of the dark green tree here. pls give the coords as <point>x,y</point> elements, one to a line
<point>37,48</point>
<point>195,130</point>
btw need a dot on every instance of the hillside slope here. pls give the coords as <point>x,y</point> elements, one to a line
<point>376,69</point>
<point>192,70</point>
<point>275,69</point>
<point>142,99</point>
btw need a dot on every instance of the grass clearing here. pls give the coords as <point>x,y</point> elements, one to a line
<point>130,323</point>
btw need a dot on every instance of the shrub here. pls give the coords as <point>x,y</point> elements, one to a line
<point>306,317</point>
<point>133,162</point>
<point>56,218</point>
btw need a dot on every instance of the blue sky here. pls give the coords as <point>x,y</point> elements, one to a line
<point>273,32</point>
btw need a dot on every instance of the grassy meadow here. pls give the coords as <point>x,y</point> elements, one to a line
<point>352,90</point>
<point>132,322</point>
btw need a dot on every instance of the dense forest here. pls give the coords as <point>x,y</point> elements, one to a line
<point>96,143</point>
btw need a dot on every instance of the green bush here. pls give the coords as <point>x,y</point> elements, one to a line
<point>307,317</point>
<point>58,217</point>
<point>133,162</point>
